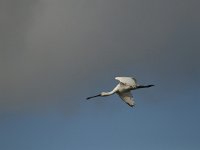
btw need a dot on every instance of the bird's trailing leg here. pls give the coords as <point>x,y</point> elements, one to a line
<point>144,86</point>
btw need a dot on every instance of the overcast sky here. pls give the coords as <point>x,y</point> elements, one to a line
<point>53,54</point>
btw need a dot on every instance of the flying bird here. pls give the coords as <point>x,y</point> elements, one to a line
<point>123,89</point>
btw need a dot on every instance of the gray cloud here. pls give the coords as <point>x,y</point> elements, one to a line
<point>49,48</point>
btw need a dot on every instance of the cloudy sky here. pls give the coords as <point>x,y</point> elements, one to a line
<point>53,54</point>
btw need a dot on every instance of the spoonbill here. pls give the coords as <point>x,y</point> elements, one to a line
<point>123,89</point>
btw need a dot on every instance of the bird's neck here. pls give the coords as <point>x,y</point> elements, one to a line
<point>108,93</point>
<point>111,92</point>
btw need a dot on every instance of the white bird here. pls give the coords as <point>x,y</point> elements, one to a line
<point>123,89</point>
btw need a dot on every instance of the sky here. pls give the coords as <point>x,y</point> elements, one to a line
<point>54,54</point>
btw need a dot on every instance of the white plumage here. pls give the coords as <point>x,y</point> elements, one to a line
<point>127,81</point>
<point>127,98</point>
<point>123,89</point>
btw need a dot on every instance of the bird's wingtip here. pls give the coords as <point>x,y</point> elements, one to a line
<point>131,105</point>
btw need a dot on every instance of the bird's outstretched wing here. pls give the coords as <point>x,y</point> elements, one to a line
<point>130,81</point>
<point>127,98</point>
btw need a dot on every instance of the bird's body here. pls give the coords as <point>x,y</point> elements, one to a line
<point>123,89</point>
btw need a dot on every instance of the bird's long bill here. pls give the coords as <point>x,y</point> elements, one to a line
<point>93,96</point>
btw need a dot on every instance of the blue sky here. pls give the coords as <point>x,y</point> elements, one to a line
<point>108,124</point>
<point>54,54</point>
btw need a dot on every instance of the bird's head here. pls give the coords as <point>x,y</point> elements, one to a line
<point>103,94</point>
